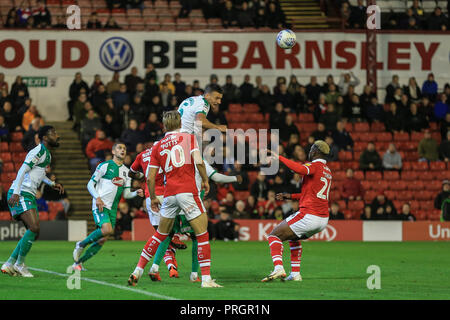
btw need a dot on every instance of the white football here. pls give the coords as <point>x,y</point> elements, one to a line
<point>286,39</point>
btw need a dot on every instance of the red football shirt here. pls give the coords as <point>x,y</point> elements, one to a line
<point>140,164</point>
<point>173,154</point>
<point>315,187</point>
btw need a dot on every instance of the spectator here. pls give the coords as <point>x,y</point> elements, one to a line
<point>357,19</point>
<point>131,81</point>
<point>320,108</point>
<point>392,160</point>
<point>334,149</point>
<point>437,20</point>
<point>260,187</point>
<point>60,23</point>
<point>441,108</point>
<point>332,94</point>
<point>229,15</point>
<point>367,213</point>
<point>240,212</point>
<point>445,126</point>
<point>374,111</point>
<point>370,159</point>
<point>23,13</point>
<point>52,195</point>
<point>313,90</point>
<point>111,128</point>
<point>186,8</point>
<point>293,86</point>
<point>277,214</point>
<point>354,111</point>
<point>394,119</point>
<point>42,205</point>
<point>430,88</point>
<point>342,137</point>
<point>123,220</point>
<point>406,213</point>
<point>301,99</point>
<point>260,18</point>
<point>216,117</point>
<point>28,117</point>
<point>329,118</point>
<point>275,17</point>
<point>383,208</point>
<point>30,138</point>
<point>390,89</point>
<point>139,110</point>
<point>113,85</point>
<point>444,148</point>
<point>415,121</point>
<point>74,92</point>
<point>270,204</point>
<point>412,90</point>
<point>428,148</point>
<point>346,80</point>
<point>335,214</point>
<point>153,128</point>
<point>135,4</point>
<point>237,171</point>
<point>265,100</point>
<point>366,96</point>
<point>93,21</point>
<point>16,87</point>
<point>277,117</point>
<point>417,9</point>
<point>279,82</point>
<point>444,194</point>
<point>351,188</point>
<point>294,141</point>
<point>226,229</point>
<point>121,97</point>
<point>230,90</point>
<point>180,87</point>
<point>11,117</point>
<point>4,130</point>
<point>345,14</point>
<point>285,98</point>
<point>245,16</point>
<point>81,108</point>
<point>168,83</point>
<point>88,127</point>
<point>321,132</point>
<point>3,199</point>
<point>111,23</point>
<point>132,136</point>
<point>246,90</point>
<point>97,148</point>
<point>3,83</point>
<point>228,202</point>
<point>403,104</point>
<point>289,129</point>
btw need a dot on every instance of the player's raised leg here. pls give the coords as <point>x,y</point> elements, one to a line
<point>296,256</point>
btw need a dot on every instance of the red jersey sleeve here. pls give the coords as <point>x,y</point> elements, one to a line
<point>155,157</point>
<point>303,169</point>
<point>296,196</point>
<point>136,166</point>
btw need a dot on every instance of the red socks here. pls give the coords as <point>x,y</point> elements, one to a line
<point>296,255</point>
<point>169,258</point>
<point>276,250</point>
<point>150,248</point>
<point>204,253</point>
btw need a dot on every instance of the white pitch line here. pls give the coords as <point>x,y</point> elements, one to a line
<point>103,283</point>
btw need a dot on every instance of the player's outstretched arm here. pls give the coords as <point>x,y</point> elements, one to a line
<point>206,124</point>
<point>222,178</point>
<point>294,166</point>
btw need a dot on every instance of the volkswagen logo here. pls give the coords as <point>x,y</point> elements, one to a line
<point>116,54</point>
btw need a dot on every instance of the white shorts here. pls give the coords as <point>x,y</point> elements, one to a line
<point>190,204</point>
<point>306,225</point>
<point>152,215</point>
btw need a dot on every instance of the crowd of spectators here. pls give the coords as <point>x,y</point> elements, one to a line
<point>414,17</point>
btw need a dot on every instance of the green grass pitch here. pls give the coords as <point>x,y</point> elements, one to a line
<point>334,270</point>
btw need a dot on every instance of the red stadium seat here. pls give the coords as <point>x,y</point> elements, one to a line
<point>339,175</point>
<point>342,204</point>
<point>434,215</point>
<point>7,177</point>
<point>335,165</point>
<point>415,205</point>
<point>416,185</point>
<point>397,185</point>
<point>19,157</point>
<point>335,195</point>
<point>8,167</point>
<point>359,175</point>
<point>424,195</point>
<point>373,175</point>
<point>407,165</point>
<point>401,136</point>
<point>435,185</point>
<point>391,195</point>
<point>367,185</point>
<point>427,175</point>
<point>379,185</point>
<point>420,166</point>
<point>384,136</point>
<point>5,215</point>
<point>359,146</point>
<point>241,195</point>
<point>404,195</point>
<point>391,175</point>
<point>126,235</point>
<point>370,195</point>
<point>361,127</point>
<point>409,175</point>
<point>252,177</point>
<point>16,136</point>
<point>345,155</point>
<point>357,155</point>
<point>4,147</point>
<point>43,215</point>
<point>356,205</point>
<point>16,147</point>
<point>235,107</point>
<point>351,164</point>
<point>437,166</point>
<point>377,127</point>
<point>420,214</point>
<point>349,127</point>
<point>251,107</point>
<point>426,205</point>
<point>5,157</point>
<point>306,117</point>
<point>416,136</point>
<point>398,205</point>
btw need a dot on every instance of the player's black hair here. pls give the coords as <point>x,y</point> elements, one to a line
<point>43,131</point>
<point>213,88</point>
<point>117,143</point>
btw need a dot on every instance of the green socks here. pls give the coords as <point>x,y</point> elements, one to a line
<point>159,255</point>
<point>24,246</point>
<point>12,259</point>
<point>195,264</point>
<point>91,251</point>
<point>93,237</point>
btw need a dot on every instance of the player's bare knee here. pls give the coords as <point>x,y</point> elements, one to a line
<point>107,230</point>
<point>35,228</point>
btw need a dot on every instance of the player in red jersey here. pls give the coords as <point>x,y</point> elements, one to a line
<point>312,216</point>
<point>178,155</point>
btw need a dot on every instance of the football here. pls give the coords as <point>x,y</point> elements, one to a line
<point>286,39</point>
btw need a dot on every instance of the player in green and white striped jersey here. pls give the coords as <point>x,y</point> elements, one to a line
<point>106,186</point>
<point>22,198</point>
